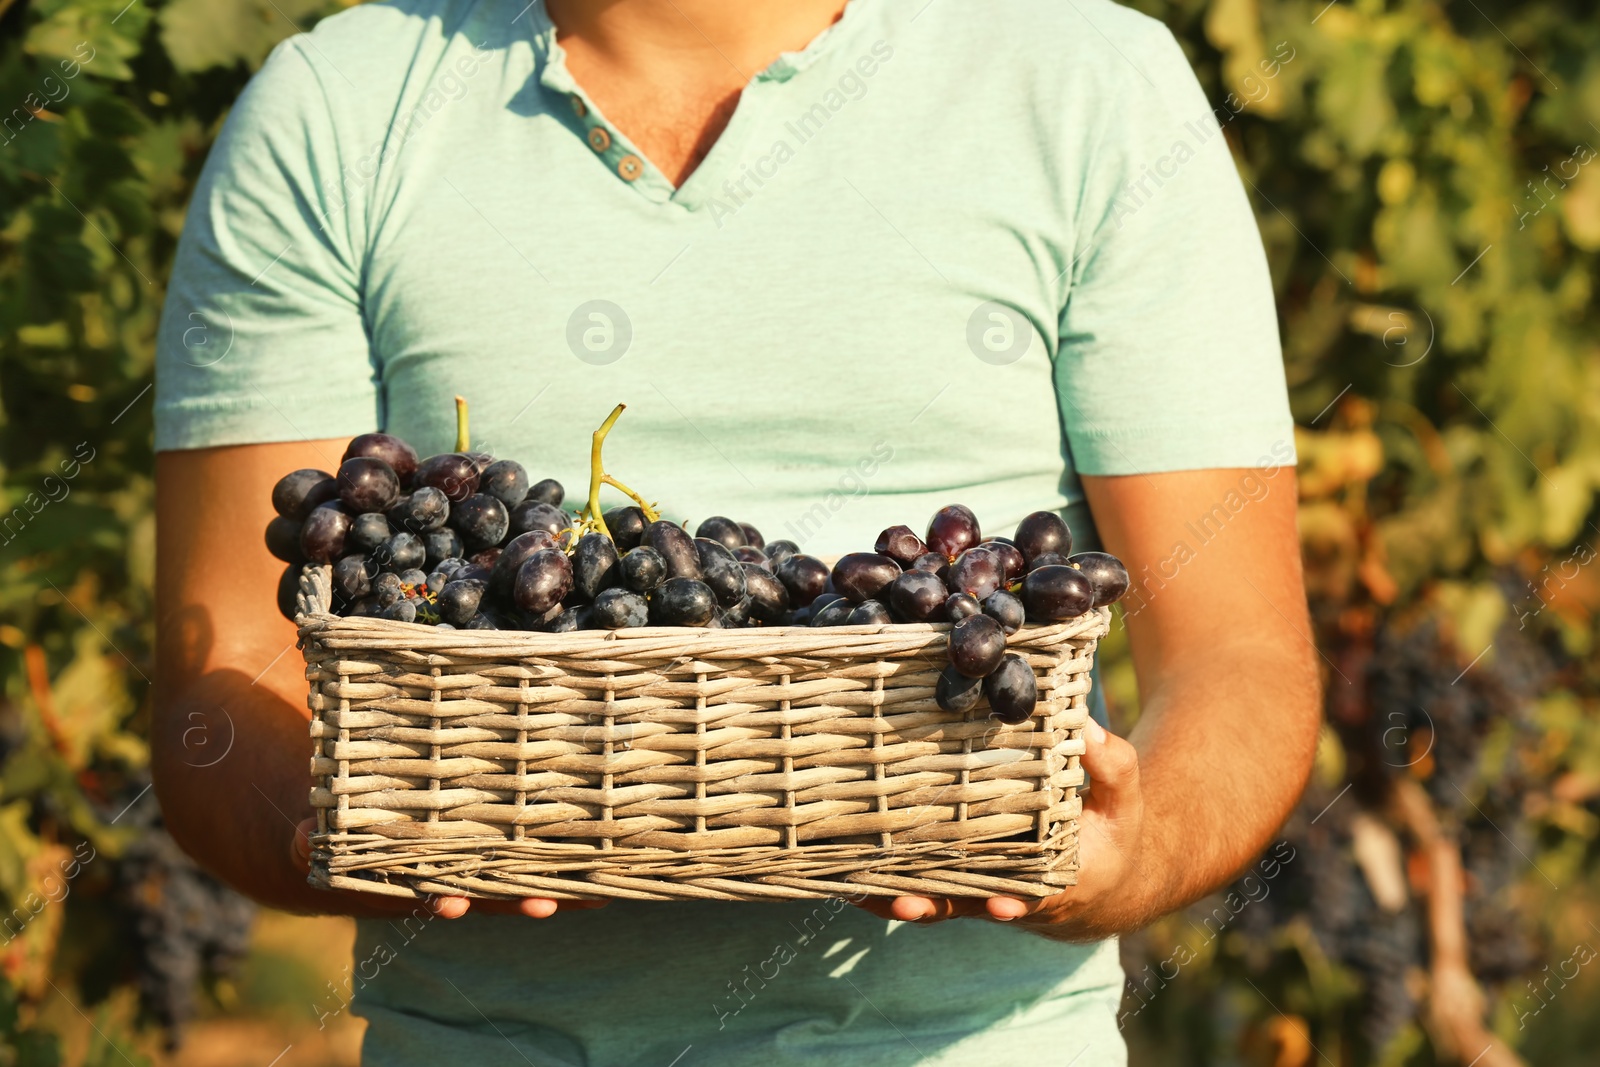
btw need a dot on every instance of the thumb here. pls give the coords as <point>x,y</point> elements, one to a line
<point>300,847</point>
<point>1112,765</point>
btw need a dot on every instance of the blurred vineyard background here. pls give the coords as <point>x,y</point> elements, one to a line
<point>1425,178</point>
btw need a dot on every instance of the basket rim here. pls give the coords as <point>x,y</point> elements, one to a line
<point>316,586</point>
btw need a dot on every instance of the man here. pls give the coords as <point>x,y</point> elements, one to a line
<point>846,264</point>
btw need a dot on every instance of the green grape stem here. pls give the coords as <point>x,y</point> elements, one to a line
<point>598,477</point>
<point>463,440</point>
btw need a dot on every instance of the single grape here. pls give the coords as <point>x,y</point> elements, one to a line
<point>956,693</point>
<point>367,484</point>
<point>1005,609</point>
<point>1041,532</point>
<point>473,570</point>
<point>440,545</point>
<point>401,457</point>
<point>952,530</point>
<point>400,611</point>
<point>749,554</point>
<point>976,645</point>
<point>364,608</point>
<point>503,575</point>
<point>452,473</point>
<point>720,571</point>
<point>437,581</point>
<point>283,539</point>
<point>443,626</point>
<point>918,596</point>
<point>869,613</point>
<point>483,620</point>
<point>803,576</point>
<point>506,481</point>
<point>401,552</point>
<point>1047,559</point>
<point>960,606</point>
<point>836,613</point>
<point>682,602</point>
<point>823,600</point>
<point>1054,593</point>
<point>297,492</point>
<point>449,567</point>
<point>1012,690</point>
<point>367,532</point>
<point>626,526</point>
<point>351,577</point>
<point>458,601</point>
<point>676,548</point>
<point>722,530</point>
<point>933,563</point>
<point>777,551</point>
<point>481,520</point>
<point>386,588</point>
<point>1105,572</point>
<point>736,616</point>
<point>487,557</point>
<point>977,571</point>
<point>752,536</point>
<point>863,576</point>
<point>543,580</point>
<point>322,534</point>
<point>769,600</point>
<point>616,609</point>
<point>537,515</point>
<point>1010,556</point>
<point>900,544</point>
<point>594,566</point>
<point>288,588</point>
<point>424,509</point>
<point>577,617</point>
<point>643,569</point>
<point>547,491</point>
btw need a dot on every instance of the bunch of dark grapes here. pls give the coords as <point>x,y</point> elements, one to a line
<point>985,588</point>
<point>187,925</point>
<point>464,540</point>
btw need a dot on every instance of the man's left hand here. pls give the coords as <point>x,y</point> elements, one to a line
<point>1107,898</point>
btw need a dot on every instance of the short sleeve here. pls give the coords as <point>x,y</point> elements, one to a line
<point>1169,355</point>
<point>262,337</point>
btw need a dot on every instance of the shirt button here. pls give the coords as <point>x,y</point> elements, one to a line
<point>578,107</point>
<point>599,139</point>
<point>630,167</point>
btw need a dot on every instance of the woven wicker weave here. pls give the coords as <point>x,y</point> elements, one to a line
<point>674,763</point>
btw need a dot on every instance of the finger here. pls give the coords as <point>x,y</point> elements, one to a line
<point>933,909</point>
<point>449,907</point>
<point>1007,908</point>
<point>537,907</point>
<point>1113,767</point>
<point>300,846</point>
<point>882,907</point>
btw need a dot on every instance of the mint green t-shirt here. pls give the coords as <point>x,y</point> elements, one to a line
<point>945,253</point>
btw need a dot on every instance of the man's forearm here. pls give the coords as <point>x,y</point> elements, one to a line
<point>1225,748</point>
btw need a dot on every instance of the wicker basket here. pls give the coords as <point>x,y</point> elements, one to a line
<point>667,763</point>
